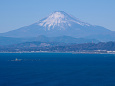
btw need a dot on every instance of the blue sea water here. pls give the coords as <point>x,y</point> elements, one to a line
<point>57,69</point>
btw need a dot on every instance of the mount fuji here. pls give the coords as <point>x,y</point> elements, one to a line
<point>60,23</point>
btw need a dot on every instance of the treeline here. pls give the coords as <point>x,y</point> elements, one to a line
<point>58,47</point>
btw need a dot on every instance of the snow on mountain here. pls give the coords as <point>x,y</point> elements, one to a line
<point>60,23</point>
<point>60,19</point>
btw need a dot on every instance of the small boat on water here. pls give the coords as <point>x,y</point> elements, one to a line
<point>16,59</point>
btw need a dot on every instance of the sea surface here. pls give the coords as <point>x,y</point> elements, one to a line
<point>57,69</point>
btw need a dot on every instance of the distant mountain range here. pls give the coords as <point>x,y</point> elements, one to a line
<point>60,39</point>
<point>60,24</point>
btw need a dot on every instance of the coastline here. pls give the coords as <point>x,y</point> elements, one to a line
<point>60,52</point>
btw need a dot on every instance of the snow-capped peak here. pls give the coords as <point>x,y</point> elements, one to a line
<point>57,15</point>
<point>60,19</point>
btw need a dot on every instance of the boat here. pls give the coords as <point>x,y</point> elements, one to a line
<point>17,60</point>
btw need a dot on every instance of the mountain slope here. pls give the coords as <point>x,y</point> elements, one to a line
<point>60,39</point>
<point>64,39</point>
<point>10,40</point>
<point>60,23</point>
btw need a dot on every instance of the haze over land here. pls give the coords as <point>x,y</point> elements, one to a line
<point>60,23</point>
<point>60,28</point>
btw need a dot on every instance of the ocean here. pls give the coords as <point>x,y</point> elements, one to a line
<point>57,69</point>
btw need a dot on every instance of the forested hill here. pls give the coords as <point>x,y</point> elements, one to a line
<point>57,47</point>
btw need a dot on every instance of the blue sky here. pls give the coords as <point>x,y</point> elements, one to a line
<point>18,13</point>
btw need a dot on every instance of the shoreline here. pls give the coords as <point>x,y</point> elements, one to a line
<point>63,52</point>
